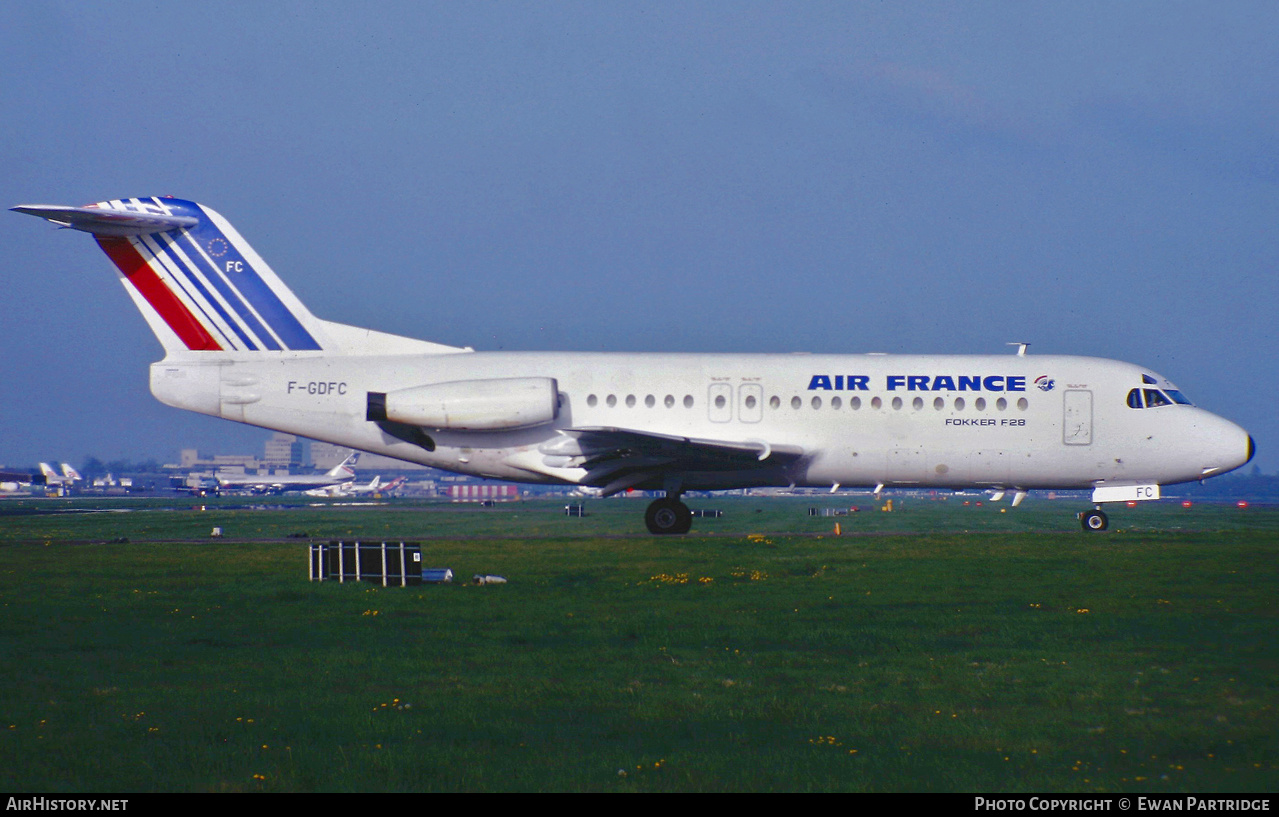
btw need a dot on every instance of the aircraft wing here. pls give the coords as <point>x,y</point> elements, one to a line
<point>618,458</point>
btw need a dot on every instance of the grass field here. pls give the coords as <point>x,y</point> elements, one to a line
<point>949,647</point>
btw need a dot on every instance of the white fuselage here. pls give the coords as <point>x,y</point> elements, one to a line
<point>240,345</point>
<point>947,421</point>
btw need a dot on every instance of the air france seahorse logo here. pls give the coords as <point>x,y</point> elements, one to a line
<point>1045,383</point>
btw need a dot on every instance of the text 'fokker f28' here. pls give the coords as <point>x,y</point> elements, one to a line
<point>239,345</point>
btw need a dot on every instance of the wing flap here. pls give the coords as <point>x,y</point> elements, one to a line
<point>620,458</point>
<point>593,441</point>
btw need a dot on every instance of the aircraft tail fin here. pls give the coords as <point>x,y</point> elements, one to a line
<point>70,473</point>
<point>346,468</point>
<point>202,288</point>
<point>48,471</point>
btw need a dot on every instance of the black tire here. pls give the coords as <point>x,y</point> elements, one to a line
<point>1095,521</point>
<point>668,516</point>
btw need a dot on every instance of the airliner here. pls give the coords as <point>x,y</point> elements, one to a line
<point>15,483</point>
<point>351,488</point>
<point>238,344</point>
<point>341,474</point>
<point>67,478</point>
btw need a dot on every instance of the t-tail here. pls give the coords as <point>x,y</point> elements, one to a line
<point>202,288</point>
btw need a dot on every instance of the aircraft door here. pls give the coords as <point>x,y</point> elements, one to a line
<point>719,403</point>
<point>751,397</point>
<point>1076,425</point>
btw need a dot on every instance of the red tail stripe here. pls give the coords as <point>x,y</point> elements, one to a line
<point>175,313</point>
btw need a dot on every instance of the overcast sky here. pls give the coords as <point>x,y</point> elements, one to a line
<point>1096,179</point>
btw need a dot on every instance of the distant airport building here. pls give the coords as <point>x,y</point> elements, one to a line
<point>281,453</point>
<point>191,459</point>
<point>285,451</point>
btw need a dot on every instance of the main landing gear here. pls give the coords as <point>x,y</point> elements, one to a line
<point>668,515</point>
<point>1094,520</point>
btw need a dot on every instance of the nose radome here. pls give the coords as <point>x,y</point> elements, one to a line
<point>1241,448</point>
<point>1229,447</point>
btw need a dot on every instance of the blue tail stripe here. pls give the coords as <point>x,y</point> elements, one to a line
<point>245,319</point>
<point>256,291</point>
<point>163,241</point>
<point>179,282</point>
<point>232,297</point>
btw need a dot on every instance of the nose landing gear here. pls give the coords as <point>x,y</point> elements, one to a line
<point>1094,520</point>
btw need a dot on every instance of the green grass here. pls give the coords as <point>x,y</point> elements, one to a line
<point>948,648</point>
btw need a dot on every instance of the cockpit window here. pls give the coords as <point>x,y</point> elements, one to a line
<point>1154,397</point>
<point>1150,398</point>
<point>1148,380</point>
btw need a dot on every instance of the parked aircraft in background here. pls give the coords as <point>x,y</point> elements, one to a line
<point>194,484</point>
<point>343,472</point>
<point>392,488</point>
<point>15,483</point>
<point>66,479</point>
<point>346,488</point>
<point>239,345</point>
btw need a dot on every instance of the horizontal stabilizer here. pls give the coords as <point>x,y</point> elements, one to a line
<point>202,288</point>
<point>107,222</point>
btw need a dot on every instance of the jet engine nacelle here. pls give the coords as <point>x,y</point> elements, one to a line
<point>470,405</point>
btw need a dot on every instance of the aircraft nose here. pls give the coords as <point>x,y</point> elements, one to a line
<point>1229,447</point>
<point>1245,448</point>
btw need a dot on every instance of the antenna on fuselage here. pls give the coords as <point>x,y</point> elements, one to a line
<point>1021,347</point>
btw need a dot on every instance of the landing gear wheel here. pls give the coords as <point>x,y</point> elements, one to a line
<point>1095,520</point>
<point>668,516</point>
